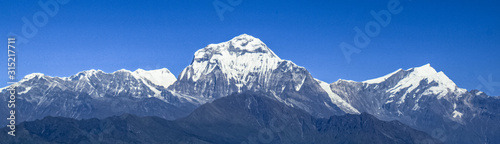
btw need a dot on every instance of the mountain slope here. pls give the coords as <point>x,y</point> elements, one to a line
<point>244,64</point>
<point>94,93</point>
<point>239,118</point>
<point>426,100</point>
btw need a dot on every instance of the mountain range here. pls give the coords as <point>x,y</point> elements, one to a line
<point>421,97</point>
<point>239,118</point>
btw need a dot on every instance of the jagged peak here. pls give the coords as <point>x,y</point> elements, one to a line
<point>244,36</point>
<point>122,70</point>
<point>239,46</point>
<point>424,70</point>
<point>412,77</point>
<point>89,72</point>
<point>237,57</point>
<point>34,75</point>
<point>163,70</point>
<point>162,77</point>
<point>429,73</point>
<point>345,81</point>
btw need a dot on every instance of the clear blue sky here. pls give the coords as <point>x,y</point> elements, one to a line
<point>461,38</point>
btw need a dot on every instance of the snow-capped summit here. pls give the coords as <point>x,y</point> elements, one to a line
<point>85,74</point>
<point>408,80</point>
<point>239,45</point>
<point>161,77</point>
<point>237,58</point>
<point>423,70</point>
<point>437,83</point>
<point>33,75</point>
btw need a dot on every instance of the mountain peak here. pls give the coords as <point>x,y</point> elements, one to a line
<point>413,77</point>
<point>33,75</point>
<point>239,46</point>
<point>429,73</point>
<point>424,70</point>
<point>162,70</point>
<point>161,77</point>
<point>244,37</point>
<point>122,71</point>
<point>236,57</point>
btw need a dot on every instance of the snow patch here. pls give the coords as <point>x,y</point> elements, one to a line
<point>33,75</point>
<point>389,101</point>
<point>27,89</point>
<point>457,114</point>
<point>298,86</point>
<point>337,100</point>
<point>381,79</point>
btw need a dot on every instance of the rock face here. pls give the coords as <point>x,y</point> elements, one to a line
<point>239,118</point>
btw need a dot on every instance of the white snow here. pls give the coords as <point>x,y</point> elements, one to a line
<point>298,86</point>
<point>156,91</point>
<point>33,75</point>
<point>381,79</point>
<point>416,107</point>
<point>27,89</point>
<point>161,77</point>
<point>239,87</point>
<point>389,101</point>
<point>337,100</point>
<point>243,59</point>
<point>26,78</point>
<point>479,93</point>
<point>457,114</point>
<point>426,72</point>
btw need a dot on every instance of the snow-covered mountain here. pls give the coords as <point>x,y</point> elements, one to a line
<point>402,90</point>
<point>94,93</point>
<point>426,100</point>
<point>245,63</point>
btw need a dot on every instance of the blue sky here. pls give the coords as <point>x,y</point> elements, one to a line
<point>460,38</point>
